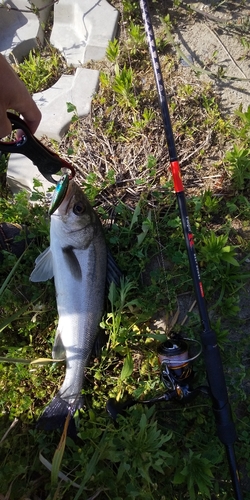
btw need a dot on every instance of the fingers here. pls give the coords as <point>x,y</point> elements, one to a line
<point>15,96</point>
<point>32,116</point>
<point>23,103</point>
<point>5,125</point>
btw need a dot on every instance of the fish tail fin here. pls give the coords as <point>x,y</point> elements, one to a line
<point>55,414</point>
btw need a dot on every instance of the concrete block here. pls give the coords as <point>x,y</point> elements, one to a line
<point>77,89</point>
<point>21,172</point>
<point>20,29</point>
<point>82,29</point>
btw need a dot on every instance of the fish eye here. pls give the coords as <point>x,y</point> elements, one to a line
<point>78,208</point>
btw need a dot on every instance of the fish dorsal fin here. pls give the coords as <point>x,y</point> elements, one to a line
<point>58,351</point>
<point>114,274</point>
<point>44,267</point>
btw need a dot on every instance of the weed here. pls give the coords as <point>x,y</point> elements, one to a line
<point>3,163</point>
<point>124,88</point>
<point>245,44</point>
<point>242,131</point>
<point>239,166</point>
<point>139,125</point>
<point>119,302</point>
<point>112,51</point>
<point>215,250</point>
<point>137,38</point>
<point>131,9</point>
<point>39,72</point>
<point>104,79</point>
<point>197,474</point>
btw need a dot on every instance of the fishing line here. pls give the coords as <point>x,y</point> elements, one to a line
<point>162,262</point>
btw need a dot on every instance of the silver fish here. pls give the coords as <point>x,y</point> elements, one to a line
<point>77,259</point>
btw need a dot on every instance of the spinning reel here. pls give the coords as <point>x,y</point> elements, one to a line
<point>175,357</point>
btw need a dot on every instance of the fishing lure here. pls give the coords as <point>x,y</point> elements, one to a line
<point>59,193</point>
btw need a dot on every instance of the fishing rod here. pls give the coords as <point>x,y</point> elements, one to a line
<point>214,368</point>
<point>176,370</point>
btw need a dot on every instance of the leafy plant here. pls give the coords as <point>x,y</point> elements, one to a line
<point>123,87</point>
<point>243,130</point>
<point>140,124</point>
<point>239,166</point>
<point>39,72</point>
<point>215,250</point>
<point>119,302</point>
<point>3,163</point>
<point>196,474</point>
<point>137,37</point>
<point>128,457</point>
<point>112,51</point>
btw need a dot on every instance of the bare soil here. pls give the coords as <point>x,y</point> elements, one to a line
<point>213,40</point>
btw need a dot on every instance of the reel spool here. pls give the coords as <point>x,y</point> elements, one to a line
<point>175,358</point>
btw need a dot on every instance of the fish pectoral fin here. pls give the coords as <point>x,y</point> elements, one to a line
<point>58,351</point>
<point>43,267</point>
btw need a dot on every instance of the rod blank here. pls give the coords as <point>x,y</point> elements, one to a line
<point>214,368</point>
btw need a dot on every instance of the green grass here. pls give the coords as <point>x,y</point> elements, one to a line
<point>169,451</point>
<point>40,71</point>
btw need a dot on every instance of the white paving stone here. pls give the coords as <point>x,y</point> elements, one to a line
<point>21,29</point>
<point>82,29</point>
<point>76,89</point>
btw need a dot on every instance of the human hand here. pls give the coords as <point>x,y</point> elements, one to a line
<point>15,96</point>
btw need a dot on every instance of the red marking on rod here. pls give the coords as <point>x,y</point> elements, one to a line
<point>201,289</point>
<point>176,173</point>
<point>191,239</point>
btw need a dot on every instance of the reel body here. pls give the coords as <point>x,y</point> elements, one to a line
<point>175,359</point>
